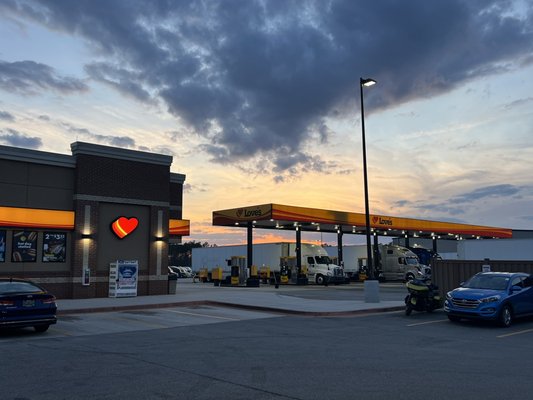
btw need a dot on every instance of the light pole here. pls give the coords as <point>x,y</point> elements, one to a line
<point>370,266</point>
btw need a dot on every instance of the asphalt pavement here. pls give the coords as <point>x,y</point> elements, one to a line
<point>288,299</point>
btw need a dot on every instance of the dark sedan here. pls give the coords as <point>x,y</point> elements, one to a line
<point>23,304</point>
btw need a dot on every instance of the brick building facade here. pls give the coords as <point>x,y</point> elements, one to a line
<point>57,212</point>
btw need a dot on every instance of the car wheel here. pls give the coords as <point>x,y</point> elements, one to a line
<point>41,328</point>
<point>453,318</point>
<point>506,316</point>
<point>320,280</point>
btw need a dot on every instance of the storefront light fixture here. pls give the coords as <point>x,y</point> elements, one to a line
<point>86,236</point>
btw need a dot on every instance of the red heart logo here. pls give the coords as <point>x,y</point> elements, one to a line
<point>375,219</point>
<point>239,212</point>
<point>124,226</point>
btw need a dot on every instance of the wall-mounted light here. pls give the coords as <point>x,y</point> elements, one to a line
<point>86,236</point>
<point>159,239</point>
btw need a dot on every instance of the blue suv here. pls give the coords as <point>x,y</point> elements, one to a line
<point>496,296</point>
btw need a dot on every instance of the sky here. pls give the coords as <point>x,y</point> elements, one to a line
<point>259,101</point>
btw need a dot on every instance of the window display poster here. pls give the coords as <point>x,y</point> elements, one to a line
<point>2,246</point>
<point>24,246</point>
<point>54,246</point>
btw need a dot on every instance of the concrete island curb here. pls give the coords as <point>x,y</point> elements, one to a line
<point>231,305</point>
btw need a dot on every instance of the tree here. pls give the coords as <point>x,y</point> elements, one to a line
<point>180,253</point>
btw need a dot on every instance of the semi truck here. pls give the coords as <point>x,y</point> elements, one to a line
<point>314,259</point>
<point>394,262</point>
<point>425,256</point>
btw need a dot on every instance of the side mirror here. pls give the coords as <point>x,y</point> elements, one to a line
<point>516,289</point>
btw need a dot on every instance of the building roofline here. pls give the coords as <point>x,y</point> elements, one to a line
<point>118,153</point>
<point>36,156</point>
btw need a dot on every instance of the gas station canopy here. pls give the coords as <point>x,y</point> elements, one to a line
<point>277,216</point>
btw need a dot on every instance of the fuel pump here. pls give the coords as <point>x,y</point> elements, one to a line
<point>284,270</point>
<point>238,270</point>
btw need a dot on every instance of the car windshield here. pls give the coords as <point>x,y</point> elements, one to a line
<point>7,287</point>
<point>494,282</point>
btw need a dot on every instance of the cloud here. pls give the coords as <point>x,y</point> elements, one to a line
<point>14,138</point>
<point>503,191</point>
<point>116,141</point>
<point>5,116</point>
<point>458,204</point>
<point>260,78</point>
<point>29,77</point>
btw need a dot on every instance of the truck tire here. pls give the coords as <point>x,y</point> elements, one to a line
<point>320,280</point>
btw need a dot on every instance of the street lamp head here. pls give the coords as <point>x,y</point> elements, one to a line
<point>367,82</point>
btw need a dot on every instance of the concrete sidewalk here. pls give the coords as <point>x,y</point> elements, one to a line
<point>265,298</point>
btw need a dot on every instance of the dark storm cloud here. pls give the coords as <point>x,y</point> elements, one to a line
<point>503,191</point>
<point>456,204</point>
<point>28,77</point>
<point>5,116</point>
<point>258,78</point>
<point>14,138</point>
<point>116,141</point>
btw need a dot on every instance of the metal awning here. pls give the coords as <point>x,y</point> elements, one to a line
<point>284,217</point>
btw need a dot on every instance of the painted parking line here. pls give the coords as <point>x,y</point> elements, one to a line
<point>428,322</point>
<point>202,315</point>
<point>515,333</point>
<point>139,321</point>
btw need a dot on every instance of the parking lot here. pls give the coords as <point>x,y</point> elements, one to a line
<point>208,352</point>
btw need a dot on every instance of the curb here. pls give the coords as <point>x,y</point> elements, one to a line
<point>232,305</point>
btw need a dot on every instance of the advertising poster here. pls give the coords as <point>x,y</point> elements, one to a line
<point>2,246</point>
<point>24,246</point>
<point>128,274</point>
<point>54,246</point>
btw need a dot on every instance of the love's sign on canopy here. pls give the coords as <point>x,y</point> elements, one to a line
<point>123,226</point>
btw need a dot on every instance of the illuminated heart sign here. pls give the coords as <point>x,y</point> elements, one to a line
<point>375,219</point>
<point>124,226</point>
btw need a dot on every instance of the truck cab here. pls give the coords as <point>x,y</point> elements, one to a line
<point>400,263</point>
<point>320,268</point>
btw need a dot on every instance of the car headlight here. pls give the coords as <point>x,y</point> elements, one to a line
<point>490,299</point>
<point>449,296</point>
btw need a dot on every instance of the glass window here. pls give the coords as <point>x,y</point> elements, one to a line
<point>54,246</point>
<point>24,246</point>
<point>7,287</point>
<point>2,246</point>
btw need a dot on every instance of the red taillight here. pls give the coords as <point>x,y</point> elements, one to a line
<point>50,300</point>
<point>7,303</point>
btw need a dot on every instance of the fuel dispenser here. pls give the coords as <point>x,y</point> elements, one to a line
<point>264,274</point>
<point>253,280</point>
<point>238,270</point>
<point>285,266</point>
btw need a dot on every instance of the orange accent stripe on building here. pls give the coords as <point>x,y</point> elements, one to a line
<point>179,227</point>
<point>36,218</point>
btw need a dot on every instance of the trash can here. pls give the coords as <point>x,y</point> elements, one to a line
<point>172,283</point>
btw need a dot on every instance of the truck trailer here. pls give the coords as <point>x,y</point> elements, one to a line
<point>314,259</point>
